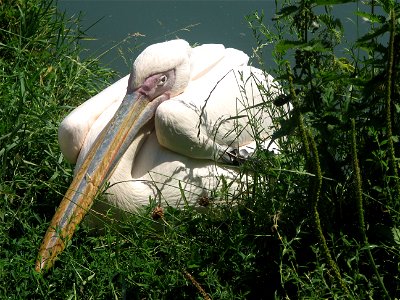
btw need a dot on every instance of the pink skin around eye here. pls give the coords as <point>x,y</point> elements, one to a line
<point>154,86</point>
<point>148,88</point>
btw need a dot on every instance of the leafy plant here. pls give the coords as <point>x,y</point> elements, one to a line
<point>327,92</point>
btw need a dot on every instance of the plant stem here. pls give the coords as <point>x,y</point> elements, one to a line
<point>300,122</point>
<point>196,284</point>
<point>392,155</point>
<point>315,190</point>
<point>360,210</point>
<point>313,165</point>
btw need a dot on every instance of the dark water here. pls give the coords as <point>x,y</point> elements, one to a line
<point>142,23</point>
<point>156,21</point>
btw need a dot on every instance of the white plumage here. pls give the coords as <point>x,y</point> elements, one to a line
<point>210,113</point>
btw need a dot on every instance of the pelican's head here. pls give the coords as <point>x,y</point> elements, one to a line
<point>163,66</point>
<point>161,71</point>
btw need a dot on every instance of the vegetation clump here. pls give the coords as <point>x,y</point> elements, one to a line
<point>345,123</point>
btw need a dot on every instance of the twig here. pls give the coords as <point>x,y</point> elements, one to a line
<point>196,284</point>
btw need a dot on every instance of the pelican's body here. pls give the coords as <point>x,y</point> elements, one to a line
<point>164,132</point>
<point>174,155</point>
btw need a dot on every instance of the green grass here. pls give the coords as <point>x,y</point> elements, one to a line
<point>307,228</point>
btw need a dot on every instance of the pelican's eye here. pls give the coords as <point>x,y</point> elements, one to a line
<point>162,80</point>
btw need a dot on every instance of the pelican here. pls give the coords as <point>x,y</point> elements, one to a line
<point>166,131</point>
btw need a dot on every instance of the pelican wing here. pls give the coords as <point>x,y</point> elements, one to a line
<point>74,129</point>
<point>219,112</point>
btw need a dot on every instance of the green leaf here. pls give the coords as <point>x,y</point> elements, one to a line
<point>396,235</point>
<point>284,45</point>
<point>315,45</point>
<point>373,34</point>
<point>286,11</point>
<point>371,17</point>
<point>373,46</point>
<point>369,246</point>
<point>387,5</point>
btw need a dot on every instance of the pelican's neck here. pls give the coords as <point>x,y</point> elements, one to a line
<point>128,159</point>
<point>122,186</point>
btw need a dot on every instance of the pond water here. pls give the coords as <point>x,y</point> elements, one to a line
<point>126,27</point>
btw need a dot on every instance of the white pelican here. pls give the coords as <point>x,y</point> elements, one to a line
<point>167,129</point>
